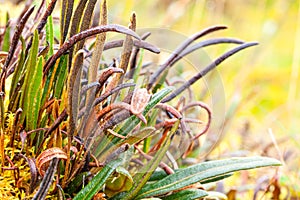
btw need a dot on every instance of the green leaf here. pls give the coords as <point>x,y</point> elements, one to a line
<point>139,136</point>
<point>35,96</point>
<point>202,172</point>
<point>6,37</point>
<point>60,76</point>
<point>47,85</point>
<point>17,76</point>
<point>151,122</point>
<point>50,36</point>
<point>26,96</point>
<point>216,178</point>
<point>160,174</point>
<point>187,194</point>
<point>96,184</point>
<point>76,182</point>
<point>141,178</point>
<point>161,81</point>
<point>139,67</point>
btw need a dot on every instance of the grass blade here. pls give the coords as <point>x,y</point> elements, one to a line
<point>144,174</point>
<point>26,96</point>
<point>98,181</point>
<point>6,37</point>
<point>61,75</point>
<point>50,36</point>
<point>17,75</point>
<point>35,96</point>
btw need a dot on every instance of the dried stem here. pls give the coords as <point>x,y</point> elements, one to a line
<point>179,49</point>
<point>125,57</point>
<point>207,69</point>
<point>209,114</point>
<point>137,43</point>
<point>135,52</point>
<point>116,89</point>
<point>13,46</point>
<point>85,34</point>
<point>43,21</point>
<point>205,44</point>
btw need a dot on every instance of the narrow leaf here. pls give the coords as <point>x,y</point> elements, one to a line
<point>202,172</point>
<point>17,35</point>
<point>17,73</point>
<point>205,43</point>
<point>98,181</point>
<point>145,172</point>
<point>60,76</point>
<point>6,37</point>
<point>94,65</point>
<point>179,49</point>
<point>35,96</point>
<point>26,97</point>
<point>50,36</point>
<point>76,182</point>
<point>66,14</point>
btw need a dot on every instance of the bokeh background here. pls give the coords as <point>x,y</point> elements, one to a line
<point>261,84</point>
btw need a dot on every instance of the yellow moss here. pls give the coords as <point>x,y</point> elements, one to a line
<point>8,187</point>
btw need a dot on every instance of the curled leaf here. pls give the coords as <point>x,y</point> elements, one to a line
<point>47,156</point>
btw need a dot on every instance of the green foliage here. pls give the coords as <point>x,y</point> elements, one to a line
<point>203,172</point>
<point>6,38</point>
<point>29,99</point>
<point>98,181</point>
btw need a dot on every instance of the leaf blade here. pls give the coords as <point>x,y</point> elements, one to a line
<point>204,171</point>
<point>98,181</point>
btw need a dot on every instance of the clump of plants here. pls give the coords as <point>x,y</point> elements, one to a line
<point>75,125</point>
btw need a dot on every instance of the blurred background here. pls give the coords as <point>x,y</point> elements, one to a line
<point>261,84</point>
